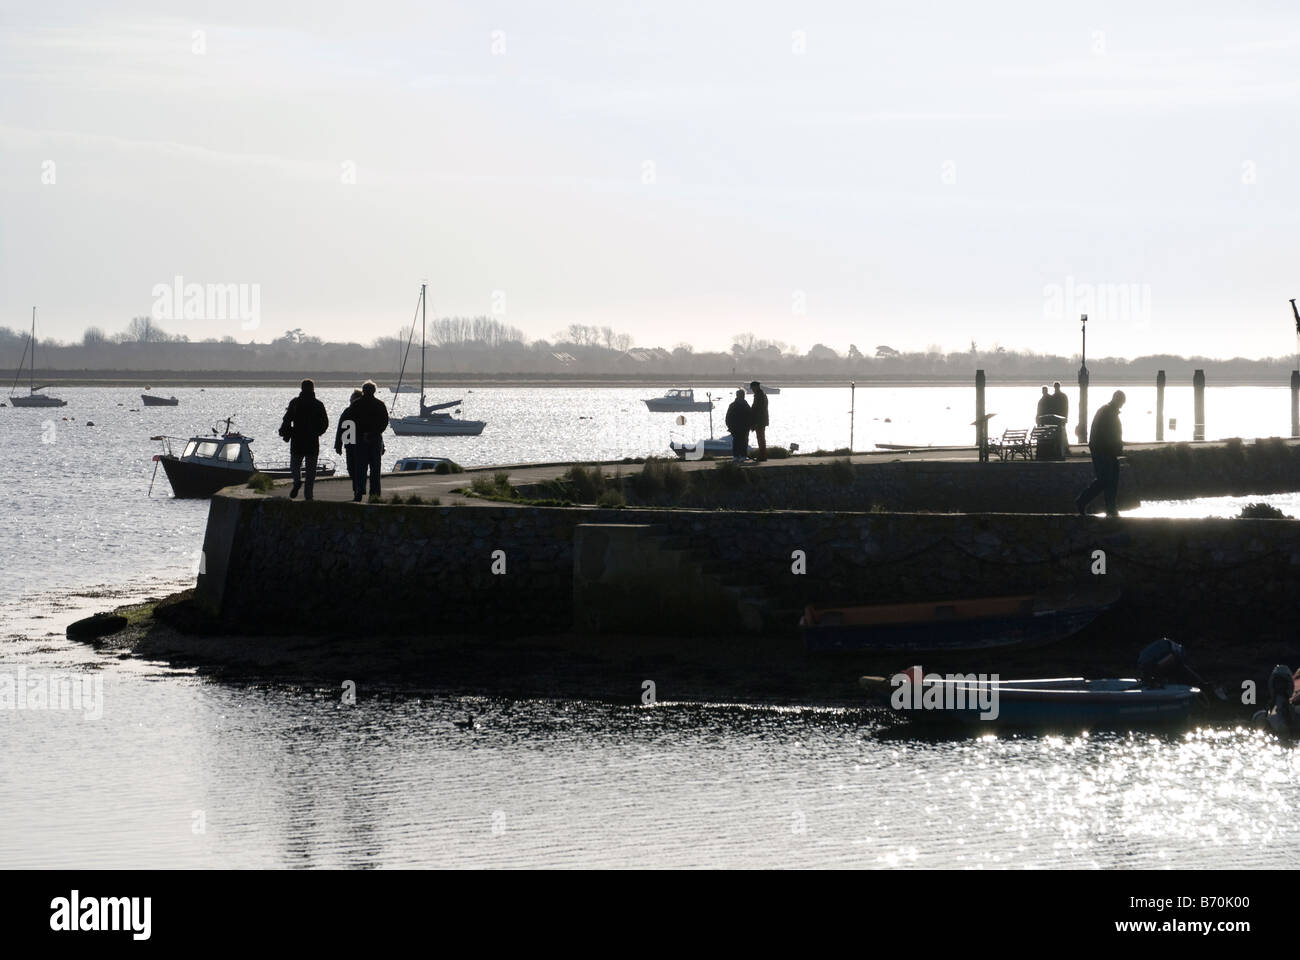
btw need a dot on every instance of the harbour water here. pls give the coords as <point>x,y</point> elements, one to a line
<point>184,771</point>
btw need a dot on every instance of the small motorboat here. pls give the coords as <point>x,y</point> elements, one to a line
<point>407,464</point>
<point>223,459</point>
<point>154,400</point>
<point>1070,702</point>
<point>719,447</point>
<point>983,623</point>
<point>678,400</point>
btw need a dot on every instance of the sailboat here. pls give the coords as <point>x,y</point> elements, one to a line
<point>432,420</point>
<point>33,399</point>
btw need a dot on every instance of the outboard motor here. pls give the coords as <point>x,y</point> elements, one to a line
<point>1161,661</point>
<point>1281,716</point>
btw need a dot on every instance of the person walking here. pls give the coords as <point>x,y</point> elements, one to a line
<point>305,420</point>
<point>1061,407</point>
<point>738,423</point>
<point>758,419</point>
<point>345,439</point>
<point>371,418</point>
<point>1106,442</point>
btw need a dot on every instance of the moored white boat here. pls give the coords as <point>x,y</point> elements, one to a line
<point>432,420</point>
<point>33,399</point>
<point>678,400</point>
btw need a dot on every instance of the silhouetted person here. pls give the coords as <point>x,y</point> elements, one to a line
<point>371,417</point>
<point>304,421</point>
<point>1061,407</point>
<point>1044,408</point>
<point>758,419</point>
<point>345,442</point>
<point>1106,443</point>
<point>738,422</point>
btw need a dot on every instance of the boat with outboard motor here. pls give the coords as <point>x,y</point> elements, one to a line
<point>222,459</point>
<point>1160,696</point>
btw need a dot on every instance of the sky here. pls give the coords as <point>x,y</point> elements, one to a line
<point>910,174</point>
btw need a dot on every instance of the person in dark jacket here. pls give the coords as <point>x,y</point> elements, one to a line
<point>304,421</point>
<point>1106,442</point>
<point>1061,407</point>
<point>371,419</point>
<point>758,419</point>
<point>1044,408</point>
<point>738,422</point>
<point>345,439</point>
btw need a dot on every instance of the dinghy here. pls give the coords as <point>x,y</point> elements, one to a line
<point>983,623</point>
<point>1071,702</point>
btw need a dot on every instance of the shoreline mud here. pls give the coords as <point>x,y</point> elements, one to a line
<point>769,671</point>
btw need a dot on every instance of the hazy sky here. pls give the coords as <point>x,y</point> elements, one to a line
<point>857,172</point>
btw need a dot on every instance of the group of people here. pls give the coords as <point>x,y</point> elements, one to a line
<point>743,417</point>
<point>359,436</point>
<point>1054,410</point>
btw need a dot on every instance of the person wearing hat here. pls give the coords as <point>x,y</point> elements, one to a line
<point>1106,442</point>
<point>758,418</point>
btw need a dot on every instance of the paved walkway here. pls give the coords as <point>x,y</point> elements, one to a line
<point>431,485</point>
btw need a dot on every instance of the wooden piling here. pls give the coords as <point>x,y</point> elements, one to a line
<point>1160,406</point>
<point>981,423</point>
<point>1198,405</point>
<point>1295,403</point>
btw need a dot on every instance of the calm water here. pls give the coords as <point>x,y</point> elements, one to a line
<point>186,772</point>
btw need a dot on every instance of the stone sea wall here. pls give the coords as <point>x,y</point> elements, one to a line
<point>319,567</point>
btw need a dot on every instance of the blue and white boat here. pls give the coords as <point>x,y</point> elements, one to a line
<point>1062,703</point>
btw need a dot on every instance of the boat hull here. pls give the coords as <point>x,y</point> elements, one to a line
<point>659,405</point>
<point>436,427</point>
<point>986,624</point>
<point>198,481</point>
<point>37,400</point>
<point>149,400</point>
<point>1066,703</point>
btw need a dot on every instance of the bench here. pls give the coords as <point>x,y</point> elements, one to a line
<point>1045,440</point>
<point>1013,443</point>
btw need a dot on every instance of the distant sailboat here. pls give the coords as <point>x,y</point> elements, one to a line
<point>431,422</point>
<point>33,399</point>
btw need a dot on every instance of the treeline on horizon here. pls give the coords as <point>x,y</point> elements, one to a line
<point>485,345</point>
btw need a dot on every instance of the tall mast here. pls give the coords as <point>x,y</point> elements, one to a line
<point>424,306</point>
<point>31,372</point>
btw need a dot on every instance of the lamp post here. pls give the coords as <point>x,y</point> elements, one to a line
<point>1081,431</point>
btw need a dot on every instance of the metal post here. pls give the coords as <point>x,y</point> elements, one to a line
<point>1160,406</point>
<point>1198,403</point>
<point>853,403</point>
<point>981,423</point>
<point>1081,431</point>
